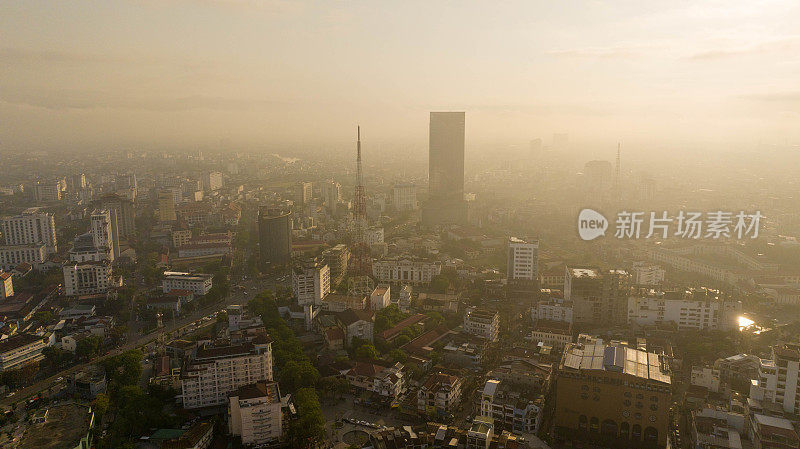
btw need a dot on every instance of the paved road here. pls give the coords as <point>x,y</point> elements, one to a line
<point>236,297</point>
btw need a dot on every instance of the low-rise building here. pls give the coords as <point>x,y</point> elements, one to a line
<point>386,381</point>
<point>406,270</point>
<point>769,432</point>
<point>706,377</point>
<point>356,324</point>
<point>439,395</point>
<point>556,334</point>
<point>380,297</point>
<point>254,413</point>
<point>20,350</point>
<point>695,309</point>
<point>60,426</point>
<point>198,283</point>
<point>514,409</point>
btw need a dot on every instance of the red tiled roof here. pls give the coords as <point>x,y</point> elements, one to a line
<point>397,328</point>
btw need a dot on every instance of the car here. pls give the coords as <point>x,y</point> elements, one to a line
<point>59,379</point>
<point>11,394</point>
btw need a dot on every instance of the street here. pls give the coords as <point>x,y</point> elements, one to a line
<point>253,286</point>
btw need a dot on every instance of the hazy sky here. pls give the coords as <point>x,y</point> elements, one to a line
<point>179,73</point>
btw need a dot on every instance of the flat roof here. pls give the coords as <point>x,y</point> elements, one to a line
<point>65,426</point>
<point>616,358</point>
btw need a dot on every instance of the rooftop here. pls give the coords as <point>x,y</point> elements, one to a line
<point>65,426</point>
<point>262,389</point>
<point>616,358</point>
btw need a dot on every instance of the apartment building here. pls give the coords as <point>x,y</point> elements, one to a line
<point>197,283</point>
<point>214,371</point>
<point>11,256</point>
<point>778,378</point>
<point>31,227</point>
<point>482,323</point>
<point>254,413</point>
<point>311,281</point>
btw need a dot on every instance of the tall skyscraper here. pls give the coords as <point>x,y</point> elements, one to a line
<point>445,170</point>
<point>274,236</point>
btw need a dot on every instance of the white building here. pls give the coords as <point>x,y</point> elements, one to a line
<point>404,196</point>
<point>380,297</point>
<point>649,275</point>
<point>482,323</point>
<point>555,308</point>
<point>31,227</point>
<point>216,371</point>
<point>254,413</point>
<point>103,236</point>
<point>693,309</point>
<point>89,278</point>
<point>523,260</point>
<point>706,377</point>
<point>311,281</point>
<point>199,284</point>
<point>406,270</point>
<point>11,256</point>
<point>777,380</point>
<point>19,350</point>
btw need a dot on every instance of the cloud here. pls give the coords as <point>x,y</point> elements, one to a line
<point>86,100</point>
<point>786,44</point>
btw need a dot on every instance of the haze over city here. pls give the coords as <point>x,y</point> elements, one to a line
<point>268,224</point>
<point>256,74</point>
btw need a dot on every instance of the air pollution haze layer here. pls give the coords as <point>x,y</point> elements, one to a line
<point>260,74</point>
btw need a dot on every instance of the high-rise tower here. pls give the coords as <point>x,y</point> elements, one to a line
<point>445,170</point>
